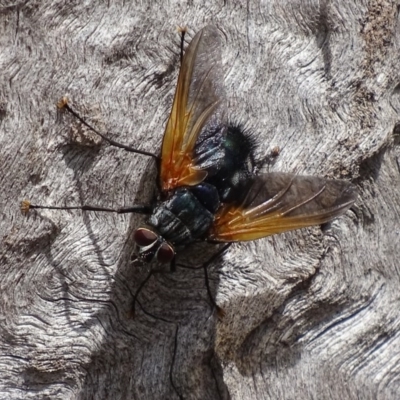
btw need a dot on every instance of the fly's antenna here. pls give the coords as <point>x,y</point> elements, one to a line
<point>63,105</point>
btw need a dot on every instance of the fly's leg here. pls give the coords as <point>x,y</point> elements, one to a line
<point>172,265</point>
<point>220,311</point>
<point>140,288</point>
<point>204,266</point>
<point>63,105</point>
<point>142,285</point>
<point>138,209</point>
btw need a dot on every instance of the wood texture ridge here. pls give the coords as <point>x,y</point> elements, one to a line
<point>310,314</point>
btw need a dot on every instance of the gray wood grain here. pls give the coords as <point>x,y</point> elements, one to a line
<point>311,314</point>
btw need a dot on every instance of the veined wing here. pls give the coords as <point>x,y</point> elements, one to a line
<point>279,202</point>
<point>197,103</point>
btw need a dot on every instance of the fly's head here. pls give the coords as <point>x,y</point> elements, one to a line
<point>152,246</point>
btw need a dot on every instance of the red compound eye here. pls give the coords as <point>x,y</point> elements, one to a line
<point>144,237</point>
<point>165,253</point>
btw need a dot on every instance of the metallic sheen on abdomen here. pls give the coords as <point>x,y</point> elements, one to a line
<point>182,218</point>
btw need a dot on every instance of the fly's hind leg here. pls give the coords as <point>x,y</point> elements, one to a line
<point>26,206</point>
<point>63,105</point>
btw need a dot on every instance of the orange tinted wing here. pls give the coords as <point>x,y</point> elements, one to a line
<point>197,102</point>
<point>279,202</point>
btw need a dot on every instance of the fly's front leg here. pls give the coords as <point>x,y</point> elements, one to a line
<point>172,265</point>
<point>204,266</point>
<point>220,311</point>
<point>141,287</point>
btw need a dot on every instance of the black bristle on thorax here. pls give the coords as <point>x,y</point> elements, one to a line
<point>236,163</point>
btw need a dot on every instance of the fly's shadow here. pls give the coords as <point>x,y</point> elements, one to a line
<point>82,145</point>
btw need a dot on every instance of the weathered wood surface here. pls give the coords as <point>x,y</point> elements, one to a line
<point>312,314</point>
